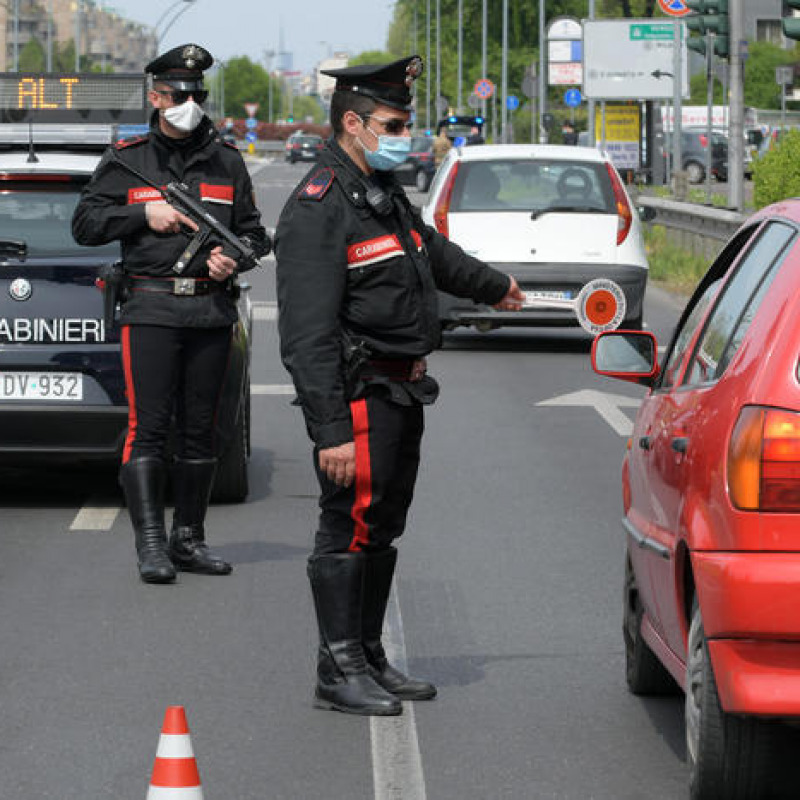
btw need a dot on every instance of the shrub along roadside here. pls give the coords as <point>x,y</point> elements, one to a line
<point>776,175</point>
<point>671,267</point>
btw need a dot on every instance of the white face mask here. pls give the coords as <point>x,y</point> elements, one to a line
<point>185,117</point>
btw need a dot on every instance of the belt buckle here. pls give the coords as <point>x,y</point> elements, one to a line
<point>184,286</point>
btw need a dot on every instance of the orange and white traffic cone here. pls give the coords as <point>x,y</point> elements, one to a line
<point>175,774</point>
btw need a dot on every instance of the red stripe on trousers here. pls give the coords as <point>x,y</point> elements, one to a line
<point>363,481</point>
<point>129,391</point>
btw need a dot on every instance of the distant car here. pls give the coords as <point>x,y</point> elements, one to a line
<point>303,147</point>
<point>419,168</point>
<point>62,388</point>
<point>556,217</point>
<point>694,149</point>
<point>711,498</point>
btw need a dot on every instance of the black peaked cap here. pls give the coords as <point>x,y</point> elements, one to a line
<point>181,67</point>
<point>389,84</point>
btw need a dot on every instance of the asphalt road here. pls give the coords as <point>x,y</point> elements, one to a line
<point>508,597</point>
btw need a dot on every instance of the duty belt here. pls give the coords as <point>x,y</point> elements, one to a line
<point>405,369</point>
<point>187,287</point>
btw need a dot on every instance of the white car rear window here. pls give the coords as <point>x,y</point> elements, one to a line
<point>517,185</point>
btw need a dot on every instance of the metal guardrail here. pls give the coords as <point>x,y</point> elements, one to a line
<point>706,221</point>
<point>700,230</point>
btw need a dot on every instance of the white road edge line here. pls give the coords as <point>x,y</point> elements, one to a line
<point>94,518</point>
<point>396,760</point>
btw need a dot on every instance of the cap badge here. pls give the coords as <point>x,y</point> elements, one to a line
<point>191,55</point>
<point>413,70</point>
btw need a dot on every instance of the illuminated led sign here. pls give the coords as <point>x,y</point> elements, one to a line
<point>59,97</point>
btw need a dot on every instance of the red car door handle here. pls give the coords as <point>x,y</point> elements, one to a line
<point>679,444</point>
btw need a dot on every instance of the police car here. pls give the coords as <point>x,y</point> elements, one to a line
<point>62,389</point>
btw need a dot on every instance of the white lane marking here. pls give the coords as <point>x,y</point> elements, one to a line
<point>607,406</point>
<point>260,167</point>
<point>271,388</point>
<point>265,312</point>
<point>94,518</point>
<point>396,760</point>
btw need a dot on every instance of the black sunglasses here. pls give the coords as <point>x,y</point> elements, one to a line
<point>179,96</point>
<point>394,125</point>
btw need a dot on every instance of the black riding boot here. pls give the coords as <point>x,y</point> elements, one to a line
<point>191,485</point>
<point>378,573</point>
<point>143,483</point>
<point>343,682</point>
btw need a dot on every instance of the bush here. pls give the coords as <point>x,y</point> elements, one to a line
<point>776,175</point>
<point>677,269</point>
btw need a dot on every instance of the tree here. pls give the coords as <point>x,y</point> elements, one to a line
<point>247,82</point>
<point>760,87</point>
<point>32,57</point>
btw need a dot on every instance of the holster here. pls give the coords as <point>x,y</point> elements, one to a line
<point>114,285</point>
<point>355,354</point>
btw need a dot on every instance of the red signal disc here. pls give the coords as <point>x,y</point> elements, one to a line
<point>601,307</point>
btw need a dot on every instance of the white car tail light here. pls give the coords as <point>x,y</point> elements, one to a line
<point>443,203</point>
<point>624,212</point>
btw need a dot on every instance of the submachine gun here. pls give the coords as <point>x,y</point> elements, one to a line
<point>112,277</point>
<point>208,227</point>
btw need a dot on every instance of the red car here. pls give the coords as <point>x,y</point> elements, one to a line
<point>711,495</point>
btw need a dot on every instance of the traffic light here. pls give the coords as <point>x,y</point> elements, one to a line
<point>711,16</point>
<point>791,25</point>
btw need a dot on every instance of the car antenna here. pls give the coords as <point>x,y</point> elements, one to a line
<point>32,159</point>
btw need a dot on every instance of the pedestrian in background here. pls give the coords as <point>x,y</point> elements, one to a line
<point>568,133</point>
<point>441,146</point>
<point>176,332</point>
<point>358,272</point>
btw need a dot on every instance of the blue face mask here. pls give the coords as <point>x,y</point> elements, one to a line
<point>392,151</point>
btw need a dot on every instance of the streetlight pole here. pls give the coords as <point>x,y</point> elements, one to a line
<point>504,109</point>
<point>160,36</point>
<point>438,58</point>
<point>78,8</point>
<point>428,62</point>
<point>484,74</point>
<point>50,36</point>
<point>542,75</point>
<point>591,107</point>
<point>460,43</point>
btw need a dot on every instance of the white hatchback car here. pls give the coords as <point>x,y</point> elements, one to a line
<point>554,217</point>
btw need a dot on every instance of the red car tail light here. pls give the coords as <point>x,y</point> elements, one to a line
<point>703,140</point>
<point>443,203</point>
<point>624,212</point>
<point>764,460</point>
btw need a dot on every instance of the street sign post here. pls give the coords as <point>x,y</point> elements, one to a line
<point>512,102</point>
<point>251,109</point>
<point>572,98</point>
<point>251,122</point>
<point>631,60</point>
<point>474,102</point>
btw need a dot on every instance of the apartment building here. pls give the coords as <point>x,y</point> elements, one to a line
<point>111,40</point>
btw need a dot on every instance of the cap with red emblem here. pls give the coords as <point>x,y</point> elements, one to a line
<point>389,84</point>
<point>182,67</point>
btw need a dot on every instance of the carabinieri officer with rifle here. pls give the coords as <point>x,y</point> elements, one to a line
<point>178,313</point>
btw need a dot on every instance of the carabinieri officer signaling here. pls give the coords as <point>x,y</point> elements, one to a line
<point>176,329</point>
<point>358,271</point>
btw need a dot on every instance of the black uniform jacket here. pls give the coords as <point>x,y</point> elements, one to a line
<point>112,206</point>
<point>349,273</point>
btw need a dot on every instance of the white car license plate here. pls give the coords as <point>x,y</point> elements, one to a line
<point>66,386</point>
<point>536,298</point>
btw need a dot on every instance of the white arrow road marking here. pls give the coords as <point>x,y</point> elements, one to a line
<point>607,406</point>
<point>396,760</point>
